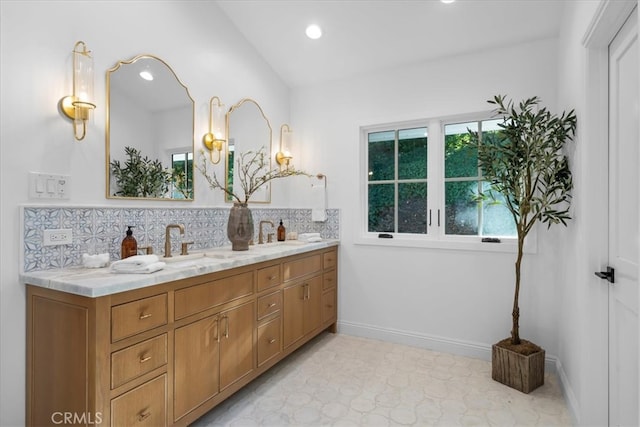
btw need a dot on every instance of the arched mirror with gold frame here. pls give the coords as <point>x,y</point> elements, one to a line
<point>248,129</point>
<point>149,132</point>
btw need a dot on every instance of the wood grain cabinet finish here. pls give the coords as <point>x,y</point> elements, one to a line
<point>196,364</point>
<point>269,304</point>
<point>165,355</point>
<point>138,359</point>
<point>269,340</point>
<point>268,277</point>
<point>145,405</point>
<point>138,316</point>
<point>302,309</point>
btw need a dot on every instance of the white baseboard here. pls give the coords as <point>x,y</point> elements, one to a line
<point>430,342</point>
<point>567,392</point>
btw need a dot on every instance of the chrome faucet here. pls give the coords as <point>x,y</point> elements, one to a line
<point>167,238</point>
<point>260,233</point>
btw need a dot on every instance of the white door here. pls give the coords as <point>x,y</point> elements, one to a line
<point>624,140</point>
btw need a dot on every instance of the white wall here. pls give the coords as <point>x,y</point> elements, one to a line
<point>583,318</point>
<point>451,300</point>
<point>37,37</point>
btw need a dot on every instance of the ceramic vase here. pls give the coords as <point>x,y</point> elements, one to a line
<point>240,227</point>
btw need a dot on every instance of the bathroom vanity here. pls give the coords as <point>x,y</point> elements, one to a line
<point>165,348</point>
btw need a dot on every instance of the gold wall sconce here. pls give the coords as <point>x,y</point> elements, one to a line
<point>283,156</point>
<point>78,106</point>
<point>214,139</point>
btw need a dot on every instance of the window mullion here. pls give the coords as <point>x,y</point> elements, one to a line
<point>395,183</point>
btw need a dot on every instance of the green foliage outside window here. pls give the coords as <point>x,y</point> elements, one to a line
<point>411,212</point>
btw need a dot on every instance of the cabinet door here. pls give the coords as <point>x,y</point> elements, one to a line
<point>196,364</point>
<point>293,313</point>
<point>302,309</point>
<point>313,304</point>
<point>236,343</point>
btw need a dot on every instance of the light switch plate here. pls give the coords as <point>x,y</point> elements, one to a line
<point>48,186</point>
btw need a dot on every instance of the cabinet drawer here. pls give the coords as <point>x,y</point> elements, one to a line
<point>138,359</point>
<point>329,260</point>
<point>269,304</point>
<point>329,309</point>
<point>269,341</point>
<point>198,298</point>
<point>138,316</point>
<point>329,280</point>
<point>301,267</point>
<point>142,406</point>
<point>268,277</point>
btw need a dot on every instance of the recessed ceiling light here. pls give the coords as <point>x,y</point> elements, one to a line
<point>313,31</point>
<point>447,1</point>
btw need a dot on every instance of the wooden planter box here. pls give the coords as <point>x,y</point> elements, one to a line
<point>524,373</point>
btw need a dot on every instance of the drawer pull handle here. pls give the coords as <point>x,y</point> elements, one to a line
<point>272,340</point>
<point>273,304</point>
<point>144,316</point>
<point>143,416</point>
<point>272,278</point>
<point>144,359</point>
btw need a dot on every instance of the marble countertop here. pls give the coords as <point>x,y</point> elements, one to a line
<point>96,282</point>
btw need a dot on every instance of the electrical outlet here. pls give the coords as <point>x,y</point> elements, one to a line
<point>58,236</point>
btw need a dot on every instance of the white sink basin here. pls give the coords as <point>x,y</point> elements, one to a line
<point>181,258</point>
<point>227,254</point>
<point>277,244</point>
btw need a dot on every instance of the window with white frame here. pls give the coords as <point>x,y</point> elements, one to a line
<point>423,181</point>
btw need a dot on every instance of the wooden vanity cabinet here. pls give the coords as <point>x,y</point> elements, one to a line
<point>310,283</point>
<point>169,353</point>
<point>302,309</point>
<point>210,355</point>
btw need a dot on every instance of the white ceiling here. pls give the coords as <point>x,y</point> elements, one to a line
<point>361,36</point>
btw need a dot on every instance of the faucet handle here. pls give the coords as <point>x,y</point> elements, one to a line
<point>148,250</point>
<point>270,238</point>
<point>184,248</point>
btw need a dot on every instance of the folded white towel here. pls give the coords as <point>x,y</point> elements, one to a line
<point>309,237</point>
<point>319,203</point>
<point>138,264</point>
<point>95,261</point>
<point>137,269</point>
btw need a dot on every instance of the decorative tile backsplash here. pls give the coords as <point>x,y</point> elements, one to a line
<point>101,229</point>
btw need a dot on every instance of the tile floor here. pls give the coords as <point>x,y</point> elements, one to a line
<point>340,380</point>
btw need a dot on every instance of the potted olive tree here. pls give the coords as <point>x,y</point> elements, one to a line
<point>524,162</point>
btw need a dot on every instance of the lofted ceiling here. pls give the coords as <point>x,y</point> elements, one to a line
<point>361,36</point>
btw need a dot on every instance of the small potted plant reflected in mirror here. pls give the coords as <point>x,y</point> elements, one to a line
<point>140,176</point>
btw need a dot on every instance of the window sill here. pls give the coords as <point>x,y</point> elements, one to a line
<point>471,244</point>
